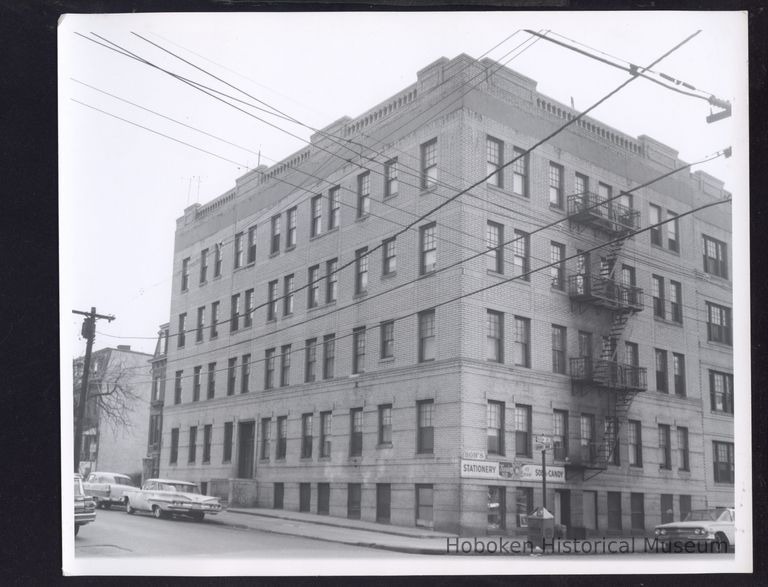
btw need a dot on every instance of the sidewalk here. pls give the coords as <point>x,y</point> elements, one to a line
<point>340,530</point>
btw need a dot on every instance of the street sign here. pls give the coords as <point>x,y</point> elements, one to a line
<point>543,442</point>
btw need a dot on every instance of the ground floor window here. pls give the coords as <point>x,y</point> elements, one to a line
<point>590,510</point>
<point>424,506</point>
<point>353,501</point>
<point>685,506</point>
<point>523,505</point>
<point>323,498</point>
<point>279,490</point>
<point>383,501</point>
<point>497,508</point>
<point>637,503</point>
<point>667,511</point>
<point>614,510</point>
<point>305,496</point>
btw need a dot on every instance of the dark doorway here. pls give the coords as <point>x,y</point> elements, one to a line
<point>323,498</point>
<point>245,447</point>
<point>353,501</point>
<point>383,497</point>
<point>278,497</point>
<point>305,496</point>
<point>563,505</point>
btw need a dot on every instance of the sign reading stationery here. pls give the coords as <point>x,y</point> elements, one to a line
<point>511,471</point>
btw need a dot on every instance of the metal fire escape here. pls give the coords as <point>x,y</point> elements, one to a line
<point>618,382</point>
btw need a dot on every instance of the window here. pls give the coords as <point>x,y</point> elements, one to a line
<point>248,312</point>
<point>685,506</point>
<point>428,253</point>
<point>217,260</point>
<point>192,444</point>
<point>723,461</point>
<point>721,392</point>
<point>676,301</point>
<point>521,255</point>
<point>523,505</point>
<point>678,371</point>
<point>665,448</point>
<point>282,437</point>
<point>614,510</point>
<point>385,424</point>
<point>424,506</point>
<point>560,434</point>
<point>252,244</point>
<point>361,270</point>
<point>673,241</point>
<point>389,263</point>
<point>429,164</point>
<point>214,319</point>
<point>285,365</point>
<point>174,446</point>
<point>306,436</point>
<point>278,494</point>
<point>558,348</point>
<point>177,387</point>
<point>719,324</point>
<point>522,342</point>
<point>182,329</point>
<point>358,350</point>
<point>662,374</point>
<point>227,454</point>
<point>682,446</point>
<point>657,287</point>
<point>494,239</point>
<point>611,440</point>
<point>265,437</point>
<point>353,501</point>
<point>274,246</point>
<point>426,336</point>
<point>323,498</point>
<point>207,443</point>
<point>245,374</point>
<point>185,274</point>
<point>203,266</point>
<point>522,430</point>
<point>290,237</point>
<point>231,375</point>
<point>211,392</point>
<point>557,270</point>
<point>495,427</point>
<point>329,355</point>
<point>313,293</point>
<point>305,496</point>
<point>269,368</point>
<point>581,184</point>
<point>325,434</point>
<point>390,178</point>
<point>585,344</point>
<point>495,336</point>
<point>200,324</point>
<point>425,437</point>
<point>497,508</point>
<point>520,172</point>
<point>238,250</point>
<point>316,226</point>
<point>494,156</point>
<point>331,281</point>
<point>667,508</point>
<point>654,217</point>
<point>387,339</point>
<point>234,318</point>
<point>196,383</point>
<point>363,194</point>
<point>356,432</point>
<point>637,510</point>
<point>272,300</point>
<point>635,440</point>
<point>587,438</point>
<point>334,207</point>
<point>555,185</point>
<point>310,360</point>
<point>288,295</point>
<point>604,192</point>
<point>715,257</point>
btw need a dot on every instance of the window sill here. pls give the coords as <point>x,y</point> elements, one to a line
<point>494,273</point>
<point>383,445</point>
<point>363,218</point>
<point>507,192</point>
<point>721,413</point>
<point>391,196</point>
<point>668,250</point>
<point>317,236</point>
<point>386,360</point>
<point>359,295</point>
<point>321,459</point>
<point>716,343</point>
<point>305,459</point>
<point>389,275</point>
<point>425,455</point>
<point>271,320</point>
<point>274,254</point>
<point>427,190</point>
<point>556,208</point>
<point>290,248</point>
<point>280,460</point>
<point>666,321</point>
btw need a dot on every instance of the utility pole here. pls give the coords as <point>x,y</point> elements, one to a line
<point>89,332</point>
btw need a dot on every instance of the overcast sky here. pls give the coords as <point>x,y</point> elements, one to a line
<point>123,187</point>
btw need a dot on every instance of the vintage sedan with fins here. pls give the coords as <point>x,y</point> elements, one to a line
<point>714,526</point>
<point>168,497</point>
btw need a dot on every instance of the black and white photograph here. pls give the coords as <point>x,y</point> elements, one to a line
<point>354,293</point>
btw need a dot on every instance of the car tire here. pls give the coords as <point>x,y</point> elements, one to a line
<point>128,508</point>
<point>157,512</point>
<point>197,516</point>
<point>721,540</point>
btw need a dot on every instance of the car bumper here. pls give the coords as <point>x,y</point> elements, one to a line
<point>82,518</point>
<point>184,509</point>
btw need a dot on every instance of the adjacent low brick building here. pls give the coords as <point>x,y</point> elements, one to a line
<point>350,367</point>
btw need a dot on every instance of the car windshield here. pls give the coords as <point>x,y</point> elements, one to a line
<point>703,515</point>
<point>179,487</point>
<point>124,480</point>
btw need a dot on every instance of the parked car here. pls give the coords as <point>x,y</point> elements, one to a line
<point>85,507</point>
<point>712,526</point>
<point>166,497</point>
<point>108,488</point>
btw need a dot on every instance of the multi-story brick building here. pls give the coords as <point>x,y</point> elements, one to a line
<point>351,367</point>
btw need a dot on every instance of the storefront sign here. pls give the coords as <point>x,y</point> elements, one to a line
<point>472,469</point>
<point>474,455</point>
